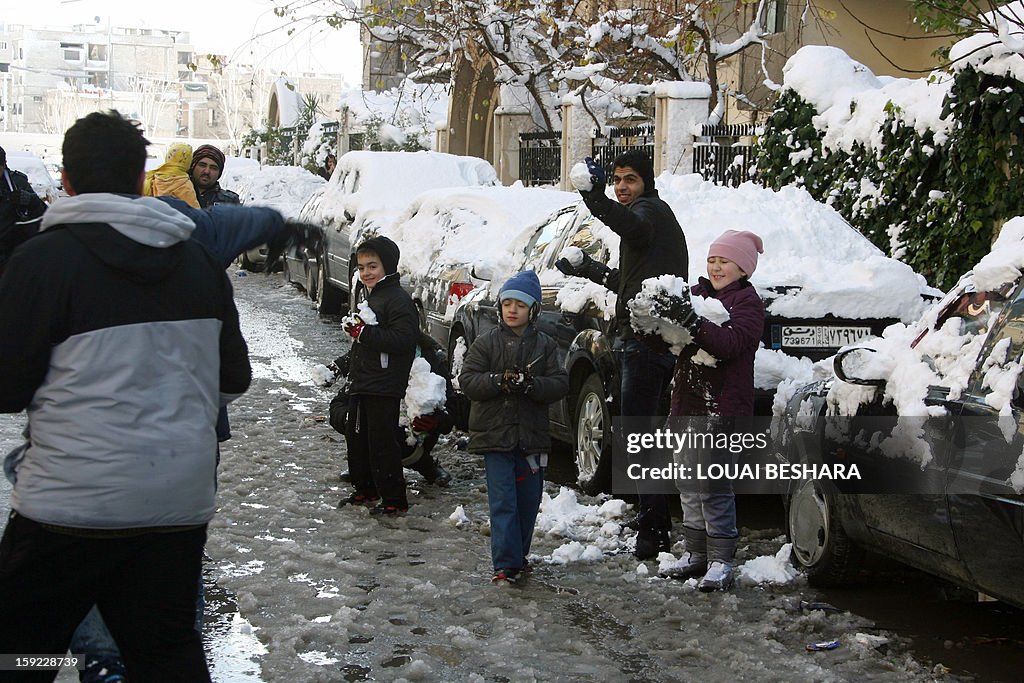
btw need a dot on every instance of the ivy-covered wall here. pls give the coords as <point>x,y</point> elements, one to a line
<point>935,206</point>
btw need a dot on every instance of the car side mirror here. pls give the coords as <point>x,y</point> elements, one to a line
<point>853,358</point>
<point>481,273</point>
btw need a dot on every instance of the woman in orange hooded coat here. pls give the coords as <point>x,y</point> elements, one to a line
<point>171,178</point>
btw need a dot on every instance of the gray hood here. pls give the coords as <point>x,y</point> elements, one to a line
<point>145,220</point>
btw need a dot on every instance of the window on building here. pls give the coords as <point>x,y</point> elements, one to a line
<point>184,58</point>
<point>97,53</point>
<point>99,79</point>
<point>775,16</point>
<point>72,51</point>
<point>3,44</point>
<point>213,117</point>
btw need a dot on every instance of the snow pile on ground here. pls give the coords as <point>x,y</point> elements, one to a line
<point>285,188</point>
<point>768,569</point>
<point>592,530</point>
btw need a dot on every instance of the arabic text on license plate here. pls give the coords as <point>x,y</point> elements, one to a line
<point>822,336</point>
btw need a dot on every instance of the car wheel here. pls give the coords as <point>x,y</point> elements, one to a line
<point>246,264</point>
<point>328,298</point>
<point>820,545</point>
<point>592,437</point>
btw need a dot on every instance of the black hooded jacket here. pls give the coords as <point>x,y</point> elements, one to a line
<point>382,356</point>
<point>652,244</point>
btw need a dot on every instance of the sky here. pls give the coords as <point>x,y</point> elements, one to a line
<point>244,30</point>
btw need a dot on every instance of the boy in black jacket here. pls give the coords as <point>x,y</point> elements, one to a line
<point>382,353</point>
<point>512,374</point>
<point>427,428</point>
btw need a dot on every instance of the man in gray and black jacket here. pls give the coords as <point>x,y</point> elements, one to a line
<point>120,337</point>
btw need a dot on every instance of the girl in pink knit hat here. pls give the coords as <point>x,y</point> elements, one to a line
<point>718,387</point>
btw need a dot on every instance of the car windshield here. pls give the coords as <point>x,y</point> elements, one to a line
<point>974,309</point>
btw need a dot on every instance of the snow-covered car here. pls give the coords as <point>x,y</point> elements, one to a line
<point>365,195</point>
<point>285,188</point>
<point>38,175</point>
<point>931,414</point>
<point>298,262</point>
<point>448,235</point>
<point>824,286</point>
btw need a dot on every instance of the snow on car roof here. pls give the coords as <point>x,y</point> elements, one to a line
<point>807,245</point>
<point>474,225</point>
<point>376,186</point>
<point>285,188</point>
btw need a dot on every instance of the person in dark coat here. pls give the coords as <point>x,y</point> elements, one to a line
<point>205,171</point>
<point>512,374</point>
<point>722,390</point>
<point>426,429</point>
<point>383,349</point>
<point>330,163</point>
<point>21,209</point>
<point>651,244</point>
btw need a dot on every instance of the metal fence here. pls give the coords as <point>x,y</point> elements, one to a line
<point>627,139</point>
<point>540,158</point>
<point>720,157</point>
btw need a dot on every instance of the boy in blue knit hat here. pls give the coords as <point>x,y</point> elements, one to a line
<point>512,374</point>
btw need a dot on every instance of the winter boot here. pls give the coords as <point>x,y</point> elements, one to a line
<point>650,542</point>
<point>721,552</point>
<point>694,561</point>
<point>439,477</point>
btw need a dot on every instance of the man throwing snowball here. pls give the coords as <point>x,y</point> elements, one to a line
<point>652,244</point>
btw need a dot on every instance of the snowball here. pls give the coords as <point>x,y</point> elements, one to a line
<point>322,375</point>
<point>574,255</point>
<point>580,177</point>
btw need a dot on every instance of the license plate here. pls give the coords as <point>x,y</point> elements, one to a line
<point>822,336</point>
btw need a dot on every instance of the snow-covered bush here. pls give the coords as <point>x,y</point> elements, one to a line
<point>927,168</point>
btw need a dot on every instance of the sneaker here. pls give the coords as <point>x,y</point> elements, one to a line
<point>686,567</point>
<point>366,499</point>
<point>527,568</point>
<point>381,510</point>
<point>345,476</point>
<point>505,576</point>
<point>103,670</point>
<point>718,578</point>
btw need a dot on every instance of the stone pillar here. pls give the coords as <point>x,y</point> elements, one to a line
<point>508,124</point>
<point>344,128</point>
<point>679,108</point>
<point>578,131</point>
<point>441,136</point>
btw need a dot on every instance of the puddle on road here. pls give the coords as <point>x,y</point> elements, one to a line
<point>232,648</point>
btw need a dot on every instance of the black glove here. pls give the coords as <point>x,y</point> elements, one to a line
<point>597,175</point>
<point>24,199</point>
<point>294,234</point>
<point>514,381</point>
<point>593,270</point>
<point>684,314</point>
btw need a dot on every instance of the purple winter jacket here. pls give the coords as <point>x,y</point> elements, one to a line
<point>726,389</point>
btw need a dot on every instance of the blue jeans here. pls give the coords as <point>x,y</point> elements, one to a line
<point>513,495</point>
<point>646,376</point>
